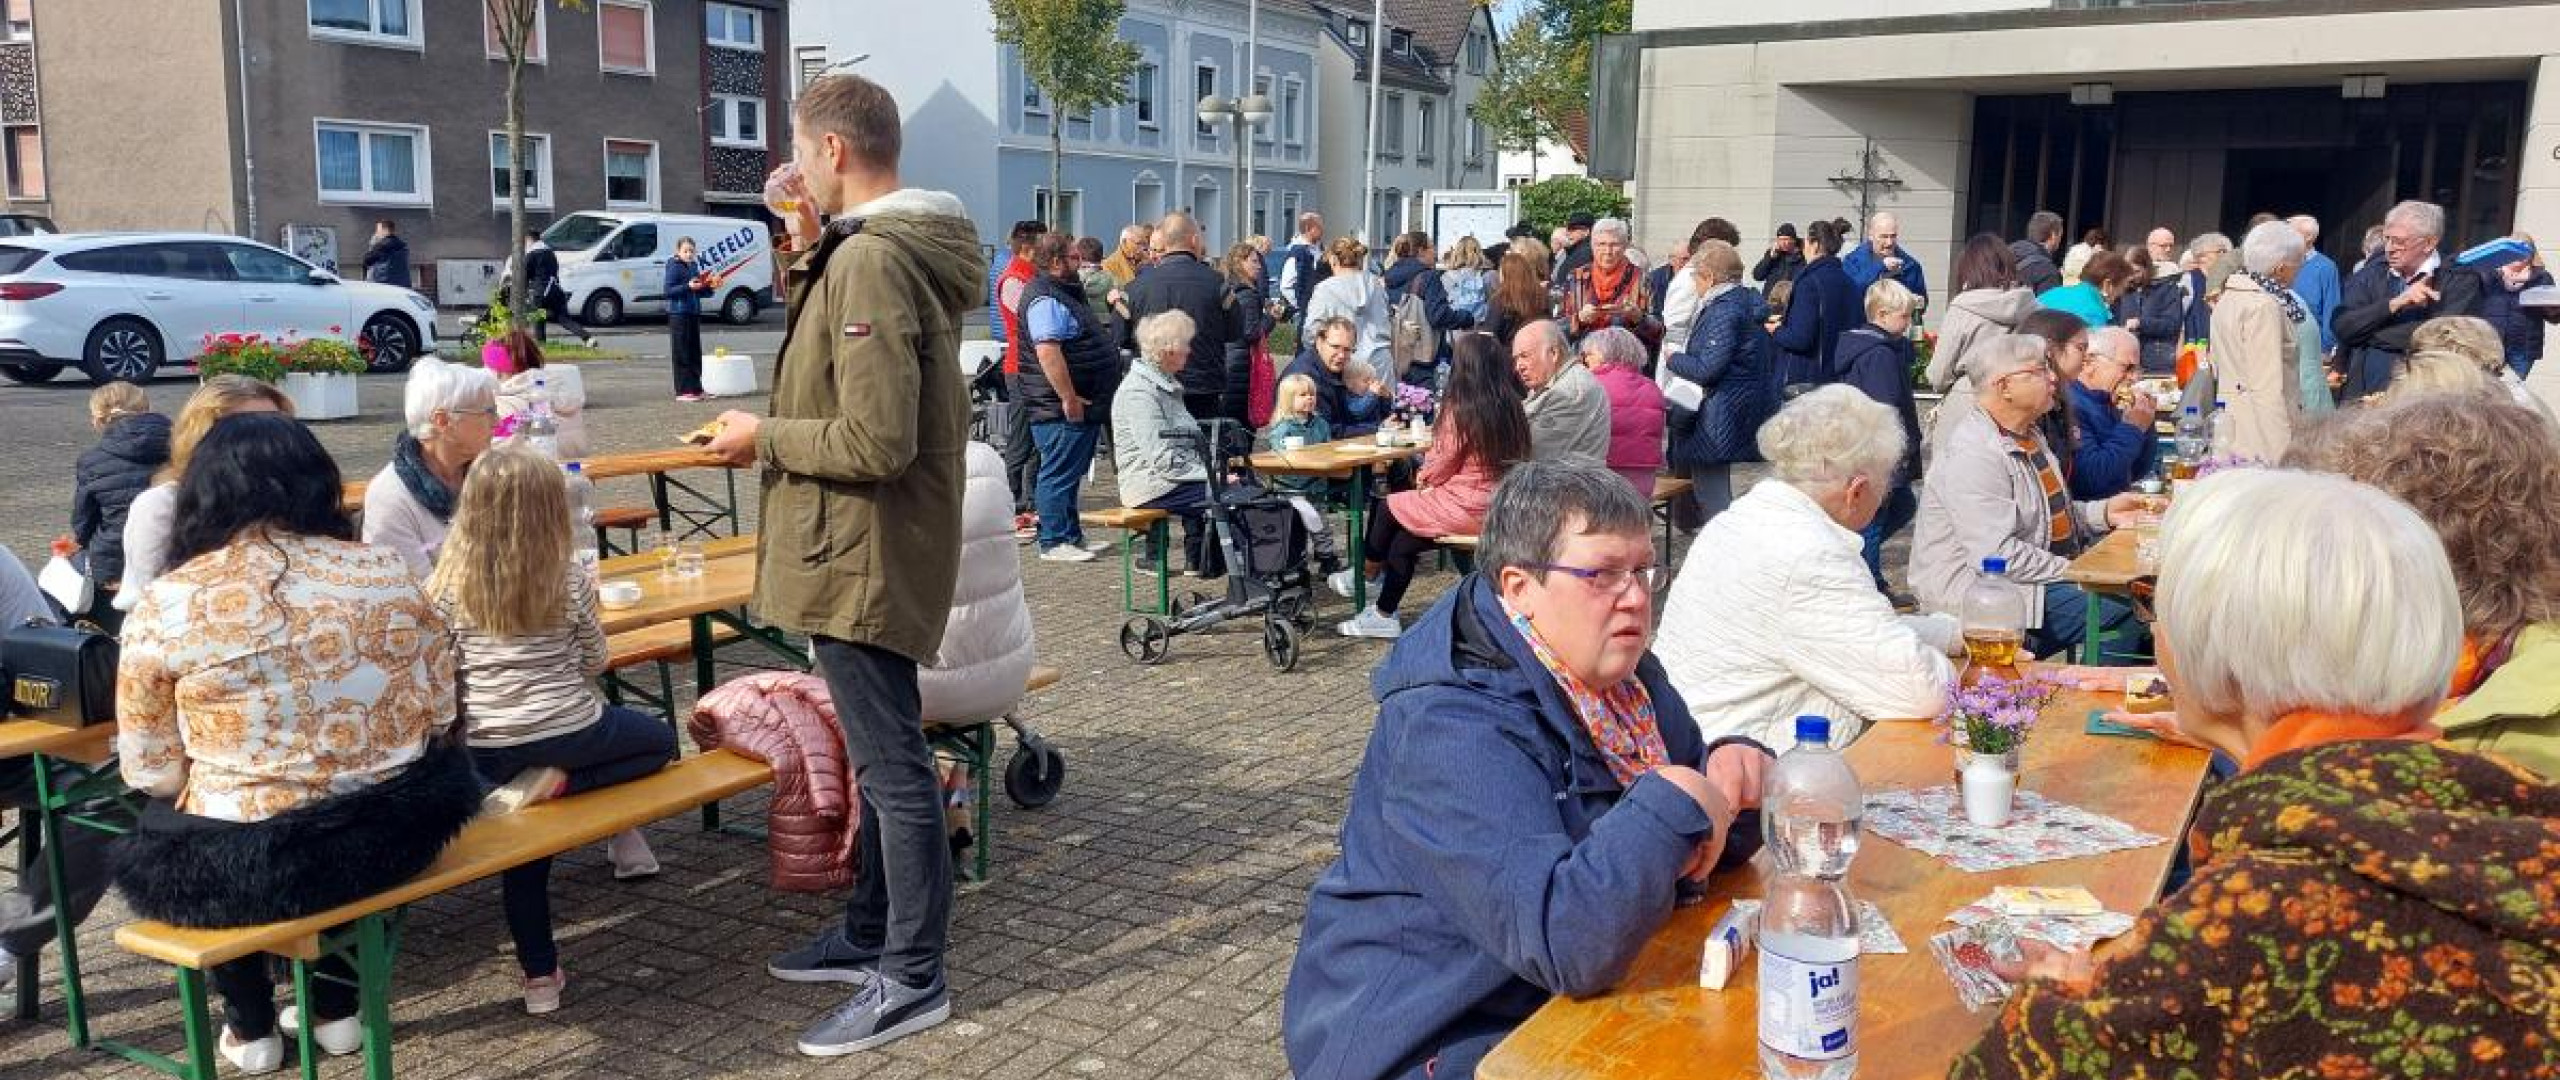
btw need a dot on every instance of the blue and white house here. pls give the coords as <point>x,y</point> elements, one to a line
<point>978,128</point>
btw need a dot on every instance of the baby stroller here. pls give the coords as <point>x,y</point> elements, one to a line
<point>1269,573</point>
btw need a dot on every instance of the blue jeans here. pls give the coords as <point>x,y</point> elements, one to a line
<point>1066,452</point>
<point>1899,507</point>
<point>622,745</point>
<point>2066,624</point>
<point>1190,502</point>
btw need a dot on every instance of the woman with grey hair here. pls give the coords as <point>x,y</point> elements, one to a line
<point>1995,491</point>
<point>1157,450</point>
<point>1530,805</point>
<point>1786,620</point>
<point>2258,330</point>
<point>1636,416</point>
<point>2359,883</point>
<point>1609,290</point>
<point>451,410</point>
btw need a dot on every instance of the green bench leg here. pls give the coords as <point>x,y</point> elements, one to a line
<point>373,993</point>
<point>2091,634</point>
<point>199,1025</point>
<point>985,738</point>
<point>1156,536</point>
<point>50,806</point>
<point>305,1043</point>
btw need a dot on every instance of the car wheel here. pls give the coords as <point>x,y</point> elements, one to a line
<point>121,350</point>
<point>388,344</point>
<point>604,308</point>
<point>29,374</point>
<point>740,308</point>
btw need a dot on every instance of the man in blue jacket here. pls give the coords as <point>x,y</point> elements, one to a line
<point>2115,448</point>
<point>1882,257</point>
<point>1531,802</point>
<point>2318,282</point>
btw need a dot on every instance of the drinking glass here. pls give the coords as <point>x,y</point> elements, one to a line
<point>689,560</point>
<point>663,545</point>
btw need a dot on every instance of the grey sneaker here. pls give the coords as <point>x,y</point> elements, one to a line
<point>828,959</point>
<point>884,1012</point>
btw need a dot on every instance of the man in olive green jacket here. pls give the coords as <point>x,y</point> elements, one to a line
<point>859,542</point>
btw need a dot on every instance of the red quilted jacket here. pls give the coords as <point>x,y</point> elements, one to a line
<point>785,720</point>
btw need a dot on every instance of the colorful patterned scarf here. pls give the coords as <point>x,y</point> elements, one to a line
<point>1619,720</point>
<point>2057,498</point>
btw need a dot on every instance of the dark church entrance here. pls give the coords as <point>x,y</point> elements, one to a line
<point>2199,161</point>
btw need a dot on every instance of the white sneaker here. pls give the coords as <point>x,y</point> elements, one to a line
<point>1097,546</point>
<point>257,1057</point>
<point>590,343</point>
<point>542,996</point>
<point>629,853</point>
<point>1065,553</point>
<point>340,1037</point>
<point>1371,624</point>
<point>1341,582</point>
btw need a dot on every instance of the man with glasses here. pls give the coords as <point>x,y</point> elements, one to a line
<point>2388,297</point>
<point>2116,446</point>
<point>1533,802</point>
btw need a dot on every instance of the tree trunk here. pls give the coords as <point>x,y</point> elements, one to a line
<point>516,284</point>
<point>1057,166</point>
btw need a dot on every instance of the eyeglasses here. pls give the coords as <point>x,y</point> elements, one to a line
<point>1611,580</point>
<point>2045,373</point>
<point>2391,241</point>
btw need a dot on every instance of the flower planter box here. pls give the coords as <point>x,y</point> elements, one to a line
<point>329,396</point>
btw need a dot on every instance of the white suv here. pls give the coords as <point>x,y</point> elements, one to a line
<point>121,305</point>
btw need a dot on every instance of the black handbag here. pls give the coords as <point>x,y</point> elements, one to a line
<point>59,674</point>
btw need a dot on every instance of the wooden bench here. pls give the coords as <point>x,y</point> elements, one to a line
<point>1666,491</point>
<point>1136,522</point>
<point>629,519</point>
<point>364,933</point>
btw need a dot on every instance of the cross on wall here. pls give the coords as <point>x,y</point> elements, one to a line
<point>1872,175</point>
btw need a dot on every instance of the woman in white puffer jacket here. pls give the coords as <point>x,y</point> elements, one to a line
<point>986,646</point>
<point>1774,614</point>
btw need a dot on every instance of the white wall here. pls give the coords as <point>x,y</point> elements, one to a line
<point>947,91</point>
<point>1658,14</point>
<point>2538,203</point>
<point>1553,159</point>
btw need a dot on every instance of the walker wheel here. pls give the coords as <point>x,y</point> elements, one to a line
<point>1034,774</point>
<point>1280,644</point>
<point>1145,639</point>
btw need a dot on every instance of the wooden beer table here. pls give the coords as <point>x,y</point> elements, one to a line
<point>700,512</point>
<point>2107,568</point>
<point>1356,460</point>
<point>1659,1022</point>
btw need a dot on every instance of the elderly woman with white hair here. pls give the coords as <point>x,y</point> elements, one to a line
<point>1157,450</point>
<point>1609,290</point>
<point>451,410</point>
<point>2258,328</point>
<point>2359,886</point>
<point>1785,620</point>
<point>1995,491</point>
<point>1636,411</point>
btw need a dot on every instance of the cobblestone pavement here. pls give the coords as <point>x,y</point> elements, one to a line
<point>1140,926</point>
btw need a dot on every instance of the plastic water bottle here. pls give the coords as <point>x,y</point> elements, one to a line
<point>2221,428</point>
<point>1809,805</point>
<point>582,520</point>
<point>1995,623</point>
<point>1808,980</point>
<point>2194,439</point>
<point>541,429</point>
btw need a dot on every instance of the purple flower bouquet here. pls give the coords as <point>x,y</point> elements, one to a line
<point>1994,715</point>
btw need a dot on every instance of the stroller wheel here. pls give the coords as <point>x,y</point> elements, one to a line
<point>1034,775</point>
<point>1145,640</point>
<point>1189,602</point>
<point>1280,644</point>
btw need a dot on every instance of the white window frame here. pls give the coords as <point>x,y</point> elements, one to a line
<point>1293,98</point>
<point>1146,94</point>
<point>540,144</point>
<point>1391,125</point>
<point>1426,115</point>
<point>1267,85</point>
<point>426,193</point>
<point>1479,53</point>
<point>655,166</point>
<point>537,50</point>
<point>1075,204</point>
<point>13,34</point>
<point>727,107</point>
<point>754,16</point>
<point>415,41</point>
<point>1035,102</point>
<point>1202,128</point>
<point>1137,199</point>
<point>649,27</point>
<point>11,183</point>
<point>1356,31</point>
<point>1259,212</point>
<point>1400,42</point>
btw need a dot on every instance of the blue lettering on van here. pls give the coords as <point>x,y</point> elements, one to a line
<point>727,246</point>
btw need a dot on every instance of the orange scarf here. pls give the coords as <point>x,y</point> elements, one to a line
<point>2308,727</point>
<point>2479,660</point>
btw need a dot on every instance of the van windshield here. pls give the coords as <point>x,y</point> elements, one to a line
<point>578,232</point>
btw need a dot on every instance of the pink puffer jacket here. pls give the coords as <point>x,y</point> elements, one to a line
<point>1635,425</point>
<point>786,720</point>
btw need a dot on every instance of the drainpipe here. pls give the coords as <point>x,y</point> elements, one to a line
<point>248,136</point>
<point>1252,55</point>
<point>1377,76</point>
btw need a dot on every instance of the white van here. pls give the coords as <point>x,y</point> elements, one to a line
<point>614,264</point>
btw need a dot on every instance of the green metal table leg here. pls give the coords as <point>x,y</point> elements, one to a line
<point>304,1042</point>
<point>2091,633</point>
<point>1160,538</point>
<point>737,519</point>
<point>198,1022</point>
<point>1359,514</point>
<point>985,740</point>
<point>50,805</point>
<point>373,993</point>
<point>666,503</point>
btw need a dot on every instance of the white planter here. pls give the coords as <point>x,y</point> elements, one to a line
<point>321,397</point>
<point>729,375</point>
<point>1990,784</point>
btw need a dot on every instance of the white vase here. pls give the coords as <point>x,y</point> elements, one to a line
<point>324,396</point>
<point>1989,784</point>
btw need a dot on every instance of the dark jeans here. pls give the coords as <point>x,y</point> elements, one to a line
<point>1204,407</point>
<point>1190,502</point>
<point>248,987</point>
<point>901,902</point>
<point>1066,451</point>
<point>1397,551</point>
<point>1900,506</point>
<point>1021,458</point>
<point>2066,624</point>
<point>1710,493</point>
<point>684,346</point>
<point>622,745</point>
<point>555,309</point>
<point>26,910</point>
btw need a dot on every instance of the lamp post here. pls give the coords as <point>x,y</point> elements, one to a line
<point>1241,116</point>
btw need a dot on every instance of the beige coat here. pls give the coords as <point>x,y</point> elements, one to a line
<point>2253,364</point>
<point>1973,317</point>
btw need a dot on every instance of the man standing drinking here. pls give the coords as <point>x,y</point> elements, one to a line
<point>860,547</point>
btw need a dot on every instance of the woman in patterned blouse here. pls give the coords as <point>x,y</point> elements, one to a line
<point>280,698</point>
<point>2367,900</point>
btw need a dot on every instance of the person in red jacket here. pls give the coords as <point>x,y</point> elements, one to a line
<point>1021,458</point>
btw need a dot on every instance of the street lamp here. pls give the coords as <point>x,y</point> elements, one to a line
<point>1242,115</point>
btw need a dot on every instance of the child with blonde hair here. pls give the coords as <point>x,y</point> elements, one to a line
<point>524,621</point>
<point>1294,416</point>
<point>133,443</point>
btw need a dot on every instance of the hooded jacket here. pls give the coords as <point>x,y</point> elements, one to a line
<point>864,453</point>
<point>2515,712</point>
<point>786,720</point>
<point>2354,905</point>
<point>108,478</point>
<point>1973,317</point>
<point>986,645</point>
<point>1179,281</point>
<point>386,261</point>
<point>1489,858</point>
<point>1728,356</point>
<point>2035,266</point>
<point>1824,305</point>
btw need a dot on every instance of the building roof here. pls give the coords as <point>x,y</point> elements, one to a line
<point>1439,29</point>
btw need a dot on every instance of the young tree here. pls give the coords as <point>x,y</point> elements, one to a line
<point>1071,50</point>
<point>514,22</point>
<point>1545,74</point>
